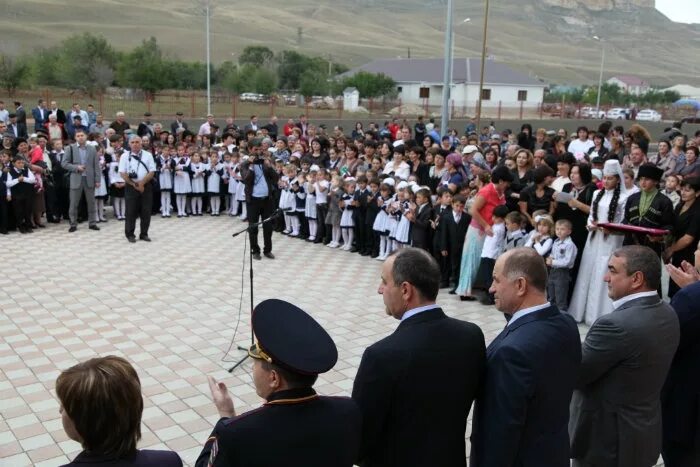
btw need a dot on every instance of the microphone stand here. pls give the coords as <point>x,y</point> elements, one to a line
<point>250,255</point>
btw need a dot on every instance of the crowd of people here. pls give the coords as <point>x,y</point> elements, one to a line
<point>541,397</point>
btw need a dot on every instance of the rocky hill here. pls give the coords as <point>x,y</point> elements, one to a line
<point>550,39</point>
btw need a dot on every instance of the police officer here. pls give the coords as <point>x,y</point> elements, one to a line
<point>295,426</point>
<point>137,168</point>
<point>260,180</point>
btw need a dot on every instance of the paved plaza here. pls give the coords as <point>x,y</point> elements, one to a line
<point>171,307</point>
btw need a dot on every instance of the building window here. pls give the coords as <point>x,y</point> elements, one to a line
<point>522,96</point>
<point>485,94</point>
<point>424,93</point>
<point>399,88</point>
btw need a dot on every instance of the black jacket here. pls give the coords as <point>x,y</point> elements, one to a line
<point>452,234</point>
<point>415,389</point>
<point>421,231</point>
<point>293,428</point>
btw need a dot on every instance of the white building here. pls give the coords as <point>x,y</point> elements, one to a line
<point>351,99</point>
<point>630,84</point>
<point>685,90</point>
<point>420,81</point>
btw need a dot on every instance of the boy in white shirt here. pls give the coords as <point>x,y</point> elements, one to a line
<point>493,247</point>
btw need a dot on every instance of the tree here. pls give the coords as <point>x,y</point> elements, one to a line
<point>371,84</point>
<point>256,55</point>
<point>86,61</point>
<point>291,66</point>
<point>144,68</point>
<point>13,72</point>
<point>313,83</point>
<point>264,81</point>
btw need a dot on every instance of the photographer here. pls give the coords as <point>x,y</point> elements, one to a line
<point>137,168</point>
<point>260,180</point>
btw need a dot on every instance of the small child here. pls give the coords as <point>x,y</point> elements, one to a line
<point>443,206</point>
<point>214,172</point>
<point>380,226</point>
<point>321,186</point>
<point>359,216</point>
<point>403,233</point>
<point>286,196</point>
<point>420,220</point>
<point>19,181</point>
<point>231,168</point>
<point>347,204</point>
<point>561,260</point>
<point>197,169</point>
<point>492,249</point>
<point>116,185</point>
<point>671,190</point>
<point>373,208</point>
<point>240,191</point>
<point>515,234</point>
<point>334,211</point>
<point>455,224</point>
<point>182,185</point>
<point>165,180</point>
<point>310,211</point>
<point>541,237</point>
<point>102,191</point>
<point>297,188</point>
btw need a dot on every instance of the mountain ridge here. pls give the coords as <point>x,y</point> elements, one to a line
<point>549,39</point>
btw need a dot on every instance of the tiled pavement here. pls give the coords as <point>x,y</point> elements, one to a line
<point>171,307</point>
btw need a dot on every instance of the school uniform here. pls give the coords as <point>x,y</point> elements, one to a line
<point>421,230</point>
<point>371,243</point>
<point>346,218</point>
<point>214,175</point>
<point>360,218</point>
<point>115,192</point>
<point>321,209</point>
<point>515,239</point>
<point>240,193</point>
<point>563,254</point>
<point>542,246</point>
<point>404,227</point>
<point>444,262</point>
<point>4,205</point>
<point>453,234</point>
<point>22,194</point>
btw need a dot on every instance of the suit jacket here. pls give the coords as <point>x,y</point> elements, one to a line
<point>142,458</point>
<point>615,410</point>
<point>293,428</point>
<point>38,119</point>
<point>453,234</point>
<point>71,161</point>
<point>60,116</point>
<point>174,126</point>
<point>521,415</point>
<point>415,389</point>
<point>680,398</point>
<point>21,121</point>
<point>421,231</point>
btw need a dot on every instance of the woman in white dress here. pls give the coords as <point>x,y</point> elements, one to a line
<point>590,299</point>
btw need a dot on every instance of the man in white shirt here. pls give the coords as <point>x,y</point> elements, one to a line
<point>4,113</point>
<point>205,128</point>
<point>137,168</point>
<point>616,410</point>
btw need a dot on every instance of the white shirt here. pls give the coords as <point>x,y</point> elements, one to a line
<point>420,309</point>
<point>580,148</point>
<point>559,182</point>
<point>621,301</point>
<point>526,311</point>
<point>494,245</point>
<point>321,196</point>
<point>128,163</point>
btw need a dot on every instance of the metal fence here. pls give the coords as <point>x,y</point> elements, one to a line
<point>193,104</point>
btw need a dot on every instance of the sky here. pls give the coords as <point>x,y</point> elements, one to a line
<point>682,11</point>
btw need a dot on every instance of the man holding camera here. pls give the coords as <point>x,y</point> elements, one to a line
<point>137,168</point>
<point>260,180</point>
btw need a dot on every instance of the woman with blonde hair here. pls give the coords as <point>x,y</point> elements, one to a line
<point>101,408</point>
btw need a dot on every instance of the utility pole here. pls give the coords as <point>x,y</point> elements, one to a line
<point>208,11</point>
<point>483,65</point>
<point>447,72</point>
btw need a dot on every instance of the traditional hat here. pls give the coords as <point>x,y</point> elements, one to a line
<point>612,167</point>
<point>650,171</point>
<point>290,338</point>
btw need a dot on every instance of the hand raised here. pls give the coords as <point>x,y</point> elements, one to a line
<point>222,398</point>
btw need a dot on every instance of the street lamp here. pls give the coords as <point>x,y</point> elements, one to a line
<point>600,77</point>
<point>208,11</point>
<point>447,71</point>
<point>483,65</point>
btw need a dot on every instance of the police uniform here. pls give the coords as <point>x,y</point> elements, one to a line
<point>294,427</point>
<point>659,214</point>
<point>137,204</point>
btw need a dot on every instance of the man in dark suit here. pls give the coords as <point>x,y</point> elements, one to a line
<point>615,410</point>
<point>415,387</point>
<point>521,414</point>
<point>295,426</point>
<point>60,113</point>
<point>41,116</point>
<point>179,124</point>
<point>145,128</point>
<point>454,225</point>
<point>680,398</point>
<point>21,120</point>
